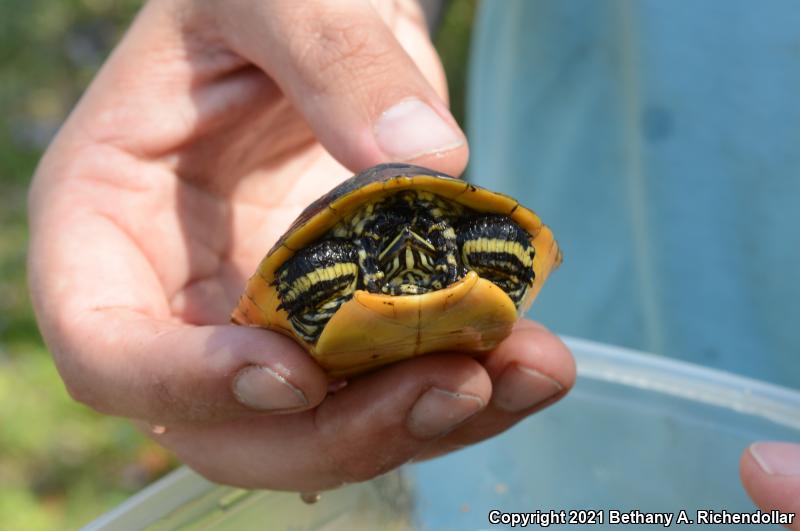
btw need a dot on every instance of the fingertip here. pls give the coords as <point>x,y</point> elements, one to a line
<point>276,375</point>
<point>366,99</point>
<point>419,130</point>
<point>264,388</point>
<point>384,419</point>
<point>748,470</point>
<point>530,370</point>
<point>207,373</point>
<point>770,473</point>
<point>401,384</point>
<point>408,131</point>
<point>452,162</point>
<point>533,346</point>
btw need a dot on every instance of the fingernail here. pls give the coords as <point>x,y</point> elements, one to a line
<point>411,128</point>
<point>437,412</point>
<point>520,388</point>
<point>777,458</point>
<point>262,388</point>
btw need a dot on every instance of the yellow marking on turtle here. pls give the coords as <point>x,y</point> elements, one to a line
<point>496,245</point>
<point>303,284</point>
<point>409,259</point>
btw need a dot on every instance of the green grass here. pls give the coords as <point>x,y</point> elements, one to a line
<point>61,465</point>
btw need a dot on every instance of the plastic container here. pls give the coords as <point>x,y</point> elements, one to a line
<point>638,432</point>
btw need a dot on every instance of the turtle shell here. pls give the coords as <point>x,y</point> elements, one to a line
<point>371,329</point>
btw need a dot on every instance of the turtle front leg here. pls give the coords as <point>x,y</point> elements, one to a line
<point>315,282</point>
<point>499,250</point>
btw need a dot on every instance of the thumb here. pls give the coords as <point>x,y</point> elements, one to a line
<point>122,362</point>
<point>344,69</point>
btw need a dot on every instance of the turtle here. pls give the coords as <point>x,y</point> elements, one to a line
<point>399,261</point>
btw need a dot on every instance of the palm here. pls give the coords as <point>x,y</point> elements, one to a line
<point>222,188</point>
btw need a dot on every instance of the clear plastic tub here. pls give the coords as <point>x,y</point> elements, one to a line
<point>638,432</point>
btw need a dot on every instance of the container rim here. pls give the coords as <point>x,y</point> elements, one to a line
<point>599,361</point>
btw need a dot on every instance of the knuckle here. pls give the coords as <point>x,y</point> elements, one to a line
<point>210,469</point>
<point>364,456</point>
<point>88,395</point>
<point>216,470</point>
<point>169,400</point>
<point>162,398</point>
<point>85,395</point>
<point>342,44</point>
<point>354,449</point>
<point>362,465</point>
<point>74,375</point>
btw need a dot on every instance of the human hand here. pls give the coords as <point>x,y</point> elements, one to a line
<point>770,473</point>
<point>206,132</point>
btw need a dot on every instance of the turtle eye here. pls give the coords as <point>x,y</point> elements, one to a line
<point>499,250</point>
<point>315,282</point>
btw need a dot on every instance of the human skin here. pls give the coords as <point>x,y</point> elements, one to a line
<point>770,472</point>
<point>206,132</point>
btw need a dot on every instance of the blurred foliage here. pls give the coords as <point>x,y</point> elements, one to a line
<point>452,43</point>
<point>49,52</point>
<point>61,464</point>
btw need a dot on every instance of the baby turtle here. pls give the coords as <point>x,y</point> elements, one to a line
<point>398,261</point>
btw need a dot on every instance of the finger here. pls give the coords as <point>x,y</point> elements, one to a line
<point>127,364</point>
<point>343,68</point>
<point>530,370</point>
<point>770,473</point>
<point>371,426</point>
<point>105,315</point>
